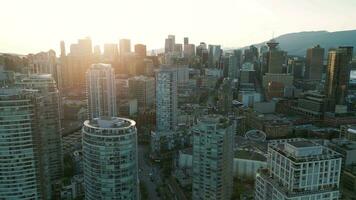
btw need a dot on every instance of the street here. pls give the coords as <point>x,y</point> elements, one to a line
<point>145,170</point>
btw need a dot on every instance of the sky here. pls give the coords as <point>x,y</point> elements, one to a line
<point>31,26</point>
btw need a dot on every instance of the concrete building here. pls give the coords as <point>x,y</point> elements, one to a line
<point>110,159</point>
<point>166,99</point>
<point>142,88</point>
<point>101,91</point>
<point>299,169</point>
<point>314,63</point>
<point>213,141</point>
<point>311,104</point>
<point>346,148</point>
<point>285,79</point>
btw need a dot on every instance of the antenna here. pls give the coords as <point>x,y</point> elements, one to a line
<point>272,34</point>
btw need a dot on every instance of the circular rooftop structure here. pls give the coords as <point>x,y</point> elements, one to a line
<point>255,135</point>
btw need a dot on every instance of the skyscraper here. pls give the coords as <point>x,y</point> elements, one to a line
<point>213,143</point>
<point>169,44</point>
<point>101,91</point>
<point>125,47</point>
<point>29,106</point>
<point>111,52</point>
<point>233,67</point>
<point>63,49</point>
<point>49,122</point>
<point>166,98</point>
<point>337,76</point>
<point>214,55</point>
<point>189,50</point>
<point>110,159</point>
<point>186,40</point>
<point>276,58</point>
<point>142,88</point>
<point>22,174</point>
<point>314,63</point>
<point>77,63</point>
<point>140,50</point>
<point>299,169</point>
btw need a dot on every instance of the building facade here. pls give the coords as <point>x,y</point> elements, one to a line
<point>166,99</point>
<point>110,159</point>
<point>142,88</point>
<point>338,76</point>
<point>299,169</point>
<point>101,91</point>
<point>213,138</point>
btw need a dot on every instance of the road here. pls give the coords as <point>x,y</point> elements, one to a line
<point>146,169</point>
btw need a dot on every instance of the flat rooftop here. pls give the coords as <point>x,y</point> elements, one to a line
<point>300,144</point>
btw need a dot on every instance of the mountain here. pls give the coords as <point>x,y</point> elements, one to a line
<point>297,43</point>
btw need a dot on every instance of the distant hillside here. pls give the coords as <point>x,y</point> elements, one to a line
<point>297,43</point>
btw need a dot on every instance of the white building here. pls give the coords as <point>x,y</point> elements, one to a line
<point>213,141</point>
<point>101,91</point>
<point>166,99</point>
<point>110,159</point>
<point>298,169</point>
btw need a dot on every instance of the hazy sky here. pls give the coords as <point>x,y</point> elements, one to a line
<point>30,26</point>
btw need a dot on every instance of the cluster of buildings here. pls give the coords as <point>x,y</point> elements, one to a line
<point>285,122</point>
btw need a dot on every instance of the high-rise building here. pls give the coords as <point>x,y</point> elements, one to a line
<point>337,76</point>
<point>238,54</point>
<point>101,91</point>
<point>169,44</point>
<point>202,53</point>
<point>44,63</point>
<point>214,56</point>
<point>63,49</point>
<point>189,50</point>
<point>166,98</point>
<point>314,63</point>
<point>251,54</point>
<point>233,67</point>
<point>142,88</point>
<point>140,50</point>
<point>111,52</point>
<point>22,172</point>
<point>125,47</point>
<point>77,63</point>
<point>275,58</point>
<point>32,106</point>
<point>296,67</point>
<point>186,40</point>
<point>178,49</point>
<point>110,159</point>
<point>213,145</point>
<point>49,121</point>
<point>299,169</point>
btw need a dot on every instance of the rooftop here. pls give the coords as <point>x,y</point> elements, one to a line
<point>110,123</point>
<point>300,144</point>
